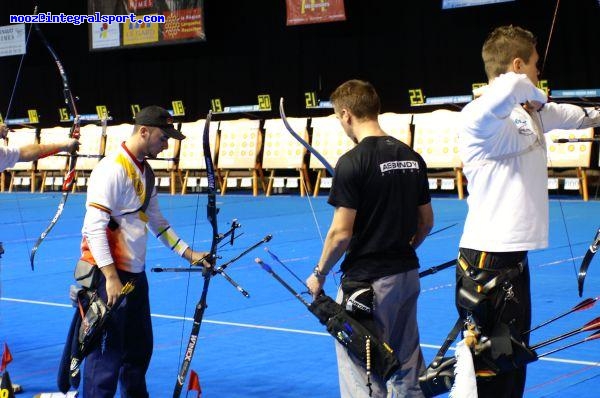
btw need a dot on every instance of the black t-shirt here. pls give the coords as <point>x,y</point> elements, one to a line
<point>385,181</point>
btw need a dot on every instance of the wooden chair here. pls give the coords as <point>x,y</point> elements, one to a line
<point>569,161</point>
<point>23,173</point>
<point>165,169</point>
<point>397,125</point>
<point>330,140</point>
<point>281,151</point>
<point>239,146</point>
<point>436,140</point>
<point>165,166</point>
<point>92,142</point>
<point>191,154</point>
<point>53,168</point>
<point>115,135</point>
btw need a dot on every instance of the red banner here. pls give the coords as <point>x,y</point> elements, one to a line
<point>139,4</point>
<point>301,12</point>
<point>183,24</point>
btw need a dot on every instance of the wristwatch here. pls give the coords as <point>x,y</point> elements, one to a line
<point>319,274</point>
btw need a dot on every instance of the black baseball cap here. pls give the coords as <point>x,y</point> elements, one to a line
<point>155,116</point>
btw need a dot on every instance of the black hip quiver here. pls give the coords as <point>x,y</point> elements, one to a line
<point>481,298</point>
<point>353,335</point>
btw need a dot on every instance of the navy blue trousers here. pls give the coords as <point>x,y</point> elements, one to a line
<point>124,350</point>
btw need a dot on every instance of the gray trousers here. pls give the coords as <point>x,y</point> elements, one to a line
<point>395,313</point>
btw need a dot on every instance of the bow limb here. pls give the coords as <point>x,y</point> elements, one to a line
<point>69,178</point>
<point>302,141</point>
<point>211,206</point>
<point>587,260</point>
<point>311,150</point>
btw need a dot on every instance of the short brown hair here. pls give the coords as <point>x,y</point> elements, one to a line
<point>503,45</point>
<point>359,97</point>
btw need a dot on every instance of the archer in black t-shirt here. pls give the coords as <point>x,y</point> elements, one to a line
<point>382,214</point>
<point>385,181</point>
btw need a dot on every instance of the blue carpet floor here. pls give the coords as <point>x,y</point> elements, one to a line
<point>269,345</point>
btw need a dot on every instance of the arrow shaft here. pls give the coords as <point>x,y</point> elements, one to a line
<point>582,306</point>
<point>588,338</point>
<point>556,339</point>
<point>437,268</point>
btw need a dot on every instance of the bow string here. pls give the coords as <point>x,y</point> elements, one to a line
<point>581,274</point>
<point>7,117</point>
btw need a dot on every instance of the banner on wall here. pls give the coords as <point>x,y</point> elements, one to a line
<point>12,40</point>
<point>156,22</point>
<point>448,4</point>
<point>302,12</point>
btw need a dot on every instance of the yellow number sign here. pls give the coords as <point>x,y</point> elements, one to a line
<point>63,114</point>
<point>416,96</point>
<point>264,102</point>
<point>135,108</point>
<point>33,116</point>
<point>310,99</point>
<point>216,105</point>
<point>178,109</point>
<point>102,112</point>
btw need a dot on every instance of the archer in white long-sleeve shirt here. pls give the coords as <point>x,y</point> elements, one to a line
<point>121,207</point>
<point>503,150</point>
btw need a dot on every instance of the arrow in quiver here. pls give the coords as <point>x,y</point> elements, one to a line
<point>375,355</point>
